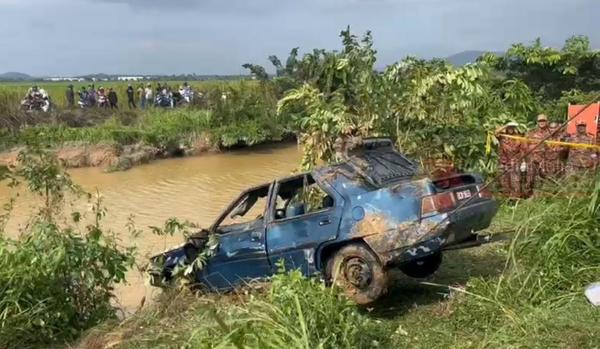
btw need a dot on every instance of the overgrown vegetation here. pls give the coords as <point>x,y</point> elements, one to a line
<point>295,312</point>
<point>240,113</point>
<point>433,109</point>
<point>524,294</point>
<point>528,293</point>
<point>58,275</point>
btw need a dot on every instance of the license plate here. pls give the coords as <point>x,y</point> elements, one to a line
<point>463,195</point>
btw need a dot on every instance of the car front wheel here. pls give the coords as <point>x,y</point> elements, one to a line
<point>356,270</point>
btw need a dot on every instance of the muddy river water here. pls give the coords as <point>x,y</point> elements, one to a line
<point>194,188</point>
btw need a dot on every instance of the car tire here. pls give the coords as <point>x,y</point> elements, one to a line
<point>423,267</point>
<point>357,271</point>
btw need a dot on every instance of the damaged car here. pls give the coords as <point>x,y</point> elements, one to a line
<point>352,223</point>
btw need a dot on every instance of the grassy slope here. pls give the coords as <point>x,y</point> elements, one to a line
<point>416,314</point>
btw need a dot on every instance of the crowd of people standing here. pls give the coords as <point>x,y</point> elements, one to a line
<point>523,161</point>
<point>144,96</point>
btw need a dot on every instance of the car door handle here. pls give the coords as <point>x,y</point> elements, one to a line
<point>325,221</point>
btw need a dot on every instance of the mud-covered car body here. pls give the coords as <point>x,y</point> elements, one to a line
<point>375,198</point>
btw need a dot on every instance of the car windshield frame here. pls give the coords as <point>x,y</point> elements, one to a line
<point>239,199</point>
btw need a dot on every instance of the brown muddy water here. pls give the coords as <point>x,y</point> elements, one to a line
<point>193,188</point>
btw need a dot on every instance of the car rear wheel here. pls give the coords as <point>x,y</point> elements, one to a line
<point>423,267</point>
<point>356,270</point>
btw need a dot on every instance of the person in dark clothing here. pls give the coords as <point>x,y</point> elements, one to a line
<point>92,95</point>
<point>131,97</point>
<point>83,97</point>
<point>70,94</point>
<point>112,99</point>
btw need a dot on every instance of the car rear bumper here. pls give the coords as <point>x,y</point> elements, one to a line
<point>465,221</point>
<point>453,229</point>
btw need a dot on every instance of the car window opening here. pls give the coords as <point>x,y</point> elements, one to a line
<point>300,196</point>
<point>250,208</point>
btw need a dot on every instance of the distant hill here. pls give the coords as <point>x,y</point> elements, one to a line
<point>14,76</point>
<point>465,57</point>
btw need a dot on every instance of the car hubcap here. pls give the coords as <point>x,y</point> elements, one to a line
<point>358,273</point>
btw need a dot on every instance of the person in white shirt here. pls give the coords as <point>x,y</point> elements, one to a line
<point>148,95</point>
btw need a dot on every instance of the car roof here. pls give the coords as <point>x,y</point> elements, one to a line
<point>375,161</point>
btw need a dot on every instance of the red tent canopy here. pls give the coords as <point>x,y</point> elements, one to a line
<point>590,116</point>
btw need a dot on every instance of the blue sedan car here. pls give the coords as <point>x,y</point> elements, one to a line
<point>351,223</point>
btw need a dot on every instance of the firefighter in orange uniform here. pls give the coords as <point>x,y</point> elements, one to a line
<point>537,154</point>
<point>582,159</point>
<point>509,151</point>
<point>555,155</point>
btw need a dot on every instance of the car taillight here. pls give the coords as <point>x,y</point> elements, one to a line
<point>453,182</point>
<point>439,203</point>
<point>484,192</point>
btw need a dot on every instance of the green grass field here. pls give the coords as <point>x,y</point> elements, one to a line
<point>246,116</point>
<point>13,92</point>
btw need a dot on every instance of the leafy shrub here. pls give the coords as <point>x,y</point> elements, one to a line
<point>56,278</point>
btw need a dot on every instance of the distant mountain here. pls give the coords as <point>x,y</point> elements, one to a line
<point>14,76</point>
<point>465,57</point>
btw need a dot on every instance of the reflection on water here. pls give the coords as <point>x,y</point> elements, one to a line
<point>194,189</point>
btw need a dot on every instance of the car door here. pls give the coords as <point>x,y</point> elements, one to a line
<point>294,240</point>
<point>241,253</point>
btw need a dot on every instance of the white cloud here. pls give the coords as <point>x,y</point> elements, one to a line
<point>217,36</point>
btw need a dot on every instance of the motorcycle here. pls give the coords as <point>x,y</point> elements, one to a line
<point>84,102</point>
<point>164,100</point>
<point>187,94</point>
<point>103,101</point>
<point>36,103</point>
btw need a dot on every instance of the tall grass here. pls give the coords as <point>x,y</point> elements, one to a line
<point>295,313</point>
<point>535,301</point>
<point>556,248</point>
<point>553,256</point>
<point>233,113</point>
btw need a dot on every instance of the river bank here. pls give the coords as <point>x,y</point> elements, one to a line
<point>527,293</point>
<point>193,188</point>
<point>114,157</point>
<point>111,157</point>
<point>226,116</point>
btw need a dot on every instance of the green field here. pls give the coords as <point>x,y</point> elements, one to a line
<point>246,117</point>
<point>13,92</point>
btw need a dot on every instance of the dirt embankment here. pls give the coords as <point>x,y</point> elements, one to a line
<point>115,157</point>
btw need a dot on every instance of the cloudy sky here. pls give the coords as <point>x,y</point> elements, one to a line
<point>66,37</point>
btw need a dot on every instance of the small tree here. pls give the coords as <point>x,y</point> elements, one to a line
<point>57,279</point>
